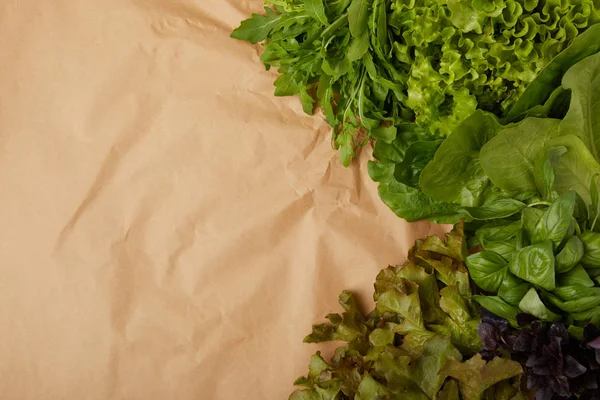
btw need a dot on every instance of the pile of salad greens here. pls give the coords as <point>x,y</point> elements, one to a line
<point>374,64</point>
<point>481,114</point>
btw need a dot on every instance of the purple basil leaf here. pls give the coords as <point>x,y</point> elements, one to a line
<point>534,381</point>
<point>572,368</point>
<point>488,335</point>
<point>559,330</point>
<point>525,342</point>
<point>539,364</point>
<point>594,343</point>
<point>559,385</point>
<point>525,319</point>
<point>544,393</point>
<point>499,323</point>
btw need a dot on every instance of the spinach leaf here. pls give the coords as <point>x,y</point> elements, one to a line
<point>417,156</point>
<point>576,276</point>
<point>509,157</point>
<point>575,168</point>
<point>583,117</point>
<point>535,264</point>
<point>532,304</point>
<point>487,270</point>
<point>455,174</point>
<point>554,223</point>
<point>570,255</point>
<point>543,171</point>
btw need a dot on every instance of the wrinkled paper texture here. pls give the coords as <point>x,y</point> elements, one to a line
<point>168,228</point>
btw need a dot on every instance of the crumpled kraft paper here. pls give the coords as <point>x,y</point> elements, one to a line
<point>168,228</point>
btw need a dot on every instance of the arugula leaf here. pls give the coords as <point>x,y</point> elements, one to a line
<point>257,28</point>
<point>316,9</point>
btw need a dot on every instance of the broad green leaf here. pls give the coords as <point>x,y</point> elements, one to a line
<point>384,133</point>
<point>532,304</point>
<point>554,223</point>
<point>495,209</point>
<point>575,276</point>
<point>595,198</point>
<point>499,307</point>
<point>499,237</point>
<point>417,156</point>
<point>543,171</point>
<point>535,264</point>
<point>455,174</point>
<point>583,117</point>
<point>513,289</point>
<point>487,269</point>
<point>530,218</point>
<point>576,168</point>
<point>316,9</point>
<point>575,291</point>
<point>508,159</point>
<point>591,246</point>
<point>570,255</point>
<point>577,305</point>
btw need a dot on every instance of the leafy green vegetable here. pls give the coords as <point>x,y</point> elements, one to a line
<point>475,375</point>
<point>554,223</point>
<point>499,307</point>
<point>591,246</point>
<point>487,269</point>
<point>583,117</point>
<point>370,64</point>
<point>547,80</point>
<point>454,175</point>
<point>570,255</point>
<point>509,157</point>
<point>411,346</point>
<point>532,304</point>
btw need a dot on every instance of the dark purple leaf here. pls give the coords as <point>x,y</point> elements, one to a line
<point>539,364</point>
<point>534,381</point>
<point>544,393</point>
<point>525,319</point>
<point>525,343</point>
<point>559,330</point>
<point>500,324</point>
<point>594,343</point>
<point>488,335</point>
<point>559,385</point>
<point>572,368</point>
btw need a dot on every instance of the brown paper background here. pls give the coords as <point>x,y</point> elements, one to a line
<point>168,228</point>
